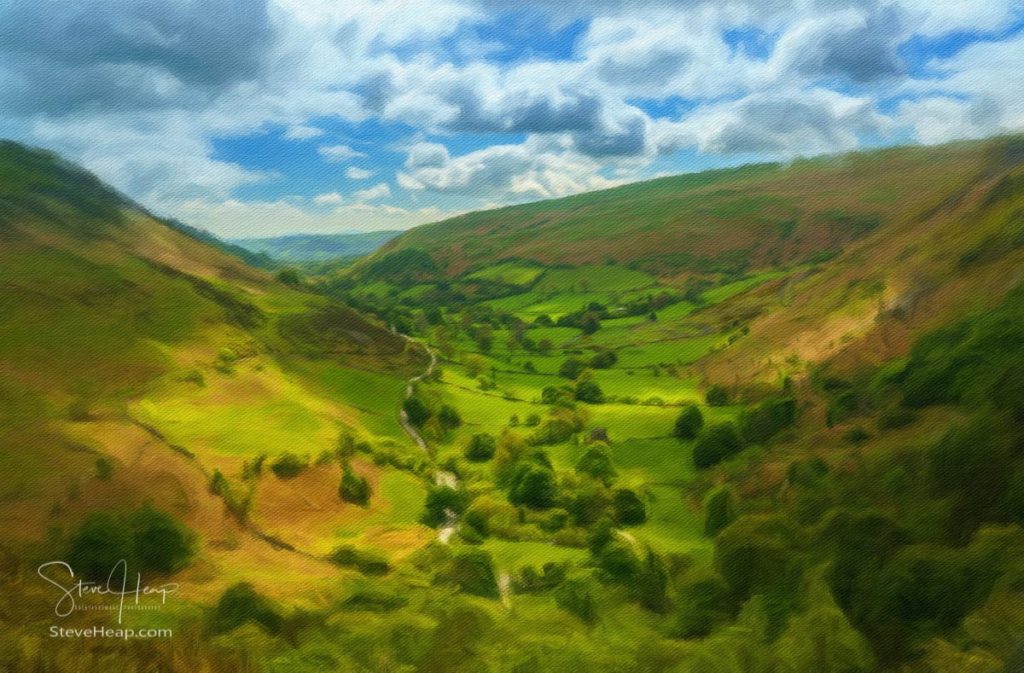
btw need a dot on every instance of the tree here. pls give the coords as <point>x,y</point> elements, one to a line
<point>448,416</point>
<point>353,488</point>
<point>590,323</point>
<point>473,570</point>
<point>480,448</point>
<point>240,604</point>
<point>533,485</point>
<point>715,444</point>
<point>589,392</point>
<point>597,463</point>
<point>440,501</point>
<point>762,422</point>
<point>287,466</point>
<point>288,276</point>
<point>161,543</point>
<point>720,509</point>
<point>574,597</point>
<point>688,423</point>
<point>416,411</point>
<point>100,543</point>
<point>604,360</point>
<point>717,396</point>
<point>629,508</point>
<point>572,368</point>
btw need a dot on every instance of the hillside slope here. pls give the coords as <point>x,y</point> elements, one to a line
<point>727,221</point>
<point>138,363</point>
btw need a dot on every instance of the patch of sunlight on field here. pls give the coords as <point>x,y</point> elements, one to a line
<point>678,352</point>
<point>642,385</point>
<point>510,555</point>
<point>632,421</point>
<point>375,397</point>
<point>673,524</point>
<point>508,273</point>
<point>244,414</point>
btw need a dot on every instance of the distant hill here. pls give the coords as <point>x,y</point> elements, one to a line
<point>317,247</point>
<point>730,221</point>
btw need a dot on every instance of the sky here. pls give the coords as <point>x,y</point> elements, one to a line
<point>267,117</point>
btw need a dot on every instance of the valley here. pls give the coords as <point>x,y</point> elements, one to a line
<point>756,419</point>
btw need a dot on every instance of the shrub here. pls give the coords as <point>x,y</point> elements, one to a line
<point>717,396</point>
<point>473,571</point>
<point>532,421</point>
<point>533,485</point>
<point>101,542</point>
<point>440,500</point>
<point>561,395</point>
<point>715,444</point>
<point>596,463</point>
<point>688,423</point>
<point>241,604</point>
<point>604,360</point>
<point>416,411</point>
<point>161,543</point>
<point>589,392</point>
<point>366,562</point>
<point>288,276</point>
<point>720,509</point>
<point>629,508</point>
<point>618,562</point>
<point>480,448</point>
<point>448,416</point>
<point>895,418</point>
<point>354,489</point>
<point>705,602</point>
<point>762,422</point>
<point>288,466</point>
<point>104,468</point>
<point>572,368</point>
<point>574,597</point>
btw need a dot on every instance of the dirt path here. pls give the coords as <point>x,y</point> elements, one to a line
<point>403,417</point>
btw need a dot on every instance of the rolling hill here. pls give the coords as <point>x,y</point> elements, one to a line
<point>316,247</point>
<point>766,418</point>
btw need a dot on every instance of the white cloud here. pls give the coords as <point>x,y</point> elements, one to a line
<point>356,173</point>
<point>373,193</point>
<point>328,199</point>
<point>339,153</point>
<point>537,168</point>
<point>235,219</point>
<point>302,132</point>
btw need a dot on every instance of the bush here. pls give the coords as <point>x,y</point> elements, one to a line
<point>473,571</point>
<point>604,360</point>
<point>148,540</point>
<point>574,597</point>
<point>715,444</point>
<point>241,604</point>
<point>762,422</point>
<point>480,448</point>
<point>101,542</point>
<point>161,543</point>
<point>572,368</point>
<point>440,500</point>
<point>561,395</point>
<point>717,396</point>
<point>288,276</point>
<point>629,508</point>
<point>288,466</point>
<point>533,485</point>
<point>596,463</point>
<point>416,411</point>
<point>895,418</point>
<point>354,489</point>
<point>104,468</point>
<point>366,562</point>
<point>589,392</point>
<point>449,418</point>
<point>688,423</point>
<point>705,601</point>
<point>720,509</point>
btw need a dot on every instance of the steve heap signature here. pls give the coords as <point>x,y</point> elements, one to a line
<point>119,584</point>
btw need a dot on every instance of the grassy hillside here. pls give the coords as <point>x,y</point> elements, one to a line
<point>766,419</point>
<point>725,221</point>
<point>140,364</point>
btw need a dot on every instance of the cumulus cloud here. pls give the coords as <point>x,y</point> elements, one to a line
<point>328,199</point>
<point>534,169</point>
<point>356,173</point>
<point>374,193</point>
<point>339,152</point>
<point>140,91</point>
